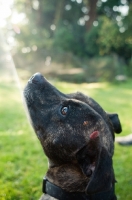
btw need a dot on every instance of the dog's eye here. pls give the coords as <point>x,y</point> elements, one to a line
<point>64,110</point>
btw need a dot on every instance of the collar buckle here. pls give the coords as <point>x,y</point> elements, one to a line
<point>44,185</point>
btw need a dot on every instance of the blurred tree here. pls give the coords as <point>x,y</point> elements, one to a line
<point>91,7</point>
<point>116,26</point>
<point>84,27</point>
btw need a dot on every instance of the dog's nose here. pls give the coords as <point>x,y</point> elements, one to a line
<point>37,78</point>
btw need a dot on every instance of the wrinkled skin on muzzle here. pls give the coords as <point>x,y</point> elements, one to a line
<point>73,130</point>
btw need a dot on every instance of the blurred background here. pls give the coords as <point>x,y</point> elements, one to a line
<point>71,40</point>
<point>79,45</point>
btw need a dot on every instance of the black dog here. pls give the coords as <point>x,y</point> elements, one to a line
<point>77,136</point>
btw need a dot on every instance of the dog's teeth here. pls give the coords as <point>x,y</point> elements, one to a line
<point>94,135</point>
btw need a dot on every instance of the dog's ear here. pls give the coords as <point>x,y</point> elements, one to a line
<point>96,164</point>
<point>115,122</point>
<point>102,179</point>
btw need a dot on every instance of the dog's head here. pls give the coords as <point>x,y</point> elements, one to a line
<point>73,128</point>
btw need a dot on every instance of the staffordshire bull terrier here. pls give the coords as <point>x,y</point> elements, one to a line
<point>77,136</point>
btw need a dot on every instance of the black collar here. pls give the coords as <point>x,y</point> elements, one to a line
<point>60,194</point>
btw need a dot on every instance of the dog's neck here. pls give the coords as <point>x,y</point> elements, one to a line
<point>70,182</point>
<point>69,177</point>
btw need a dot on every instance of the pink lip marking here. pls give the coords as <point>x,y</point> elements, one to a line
<point>94,135</point>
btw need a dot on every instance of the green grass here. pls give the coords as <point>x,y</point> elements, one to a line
<point>22,161</point>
